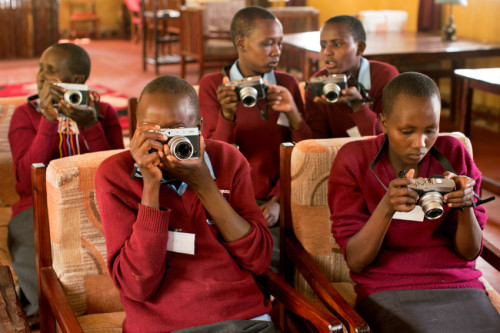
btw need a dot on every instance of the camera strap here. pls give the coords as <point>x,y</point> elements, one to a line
<point>264,113</point>
<point>445,163</point>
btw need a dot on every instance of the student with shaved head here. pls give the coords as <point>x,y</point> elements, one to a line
<point>184,234</point>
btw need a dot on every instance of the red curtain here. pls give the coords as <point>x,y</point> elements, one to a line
<point>429,16</point>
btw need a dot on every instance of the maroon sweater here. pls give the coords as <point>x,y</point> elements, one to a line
<point>257,139</point>
<point>34,139</point>
<point>414,255</point>
<point>163,291</point>
<point>332,120</point>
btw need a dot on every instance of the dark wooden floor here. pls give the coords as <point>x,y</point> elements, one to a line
<point>118,64</point>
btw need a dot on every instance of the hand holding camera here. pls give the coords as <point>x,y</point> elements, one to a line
<point>338,88</point>
<point>174,153</point>
<point>74,101</point>
<point>464,194</point>
<point>228,99</point>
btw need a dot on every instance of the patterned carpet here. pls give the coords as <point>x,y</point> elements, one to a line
<point>117,100</point>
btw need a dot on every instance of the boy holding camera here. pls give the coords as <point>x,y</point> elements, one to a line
<point>256,130</point>
<point>47,127</point>
<point>354,113</point>
<point>184,235</point>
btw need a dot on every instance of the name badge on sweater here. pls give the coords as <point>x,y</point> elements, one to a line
<point>416,215</point>
<point>180,242</point>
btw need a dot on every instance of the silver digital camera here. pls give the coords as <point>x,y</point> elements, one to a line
<point>184,143</point>
<point>76,94</point>
<point>431,192</point>
<point>330,86</point>
<point>249,90</point>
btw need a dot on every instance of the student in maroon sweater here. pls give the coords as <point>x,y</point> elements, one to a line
<point>35,136</point>
<point>257,36</point>
<point>412,274</point>
<point>207,204</point>
<point>343,41</point>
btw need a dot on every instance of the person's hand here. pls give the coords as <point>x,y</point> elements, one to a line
<point>84,115</point>
<point>350,95</point>
<point>399,197</point>
<point>140,149</point>
<point>280,99</point>
<point>271,211</point>
<point>193,172</point>
<point>226,95</point>
<point>464,193</point>
<point>47,100</point>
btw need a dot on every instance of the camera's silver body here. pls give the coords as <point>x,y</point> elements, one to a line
<point>330,86</point>
<point>249,89</point>
<point>184,143</point>
<point>76,94</point>
<point>431,192</point>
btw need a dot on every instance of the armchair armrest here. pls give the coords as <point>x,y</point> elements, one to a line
<point>491,254</point>
<point>59,305</point>
<point>297,303</point>
<point>330,297</point>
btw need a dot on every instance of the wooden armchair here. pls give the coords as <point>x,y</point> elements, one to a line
<point>311,260</point>
<point>208,49</point>
<point>75,288</point>
<point>8,194</point>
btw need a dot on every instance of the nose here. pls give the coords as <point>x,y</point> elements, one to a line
<point>328,49</point>
<point>419,141</point>
<point>276,50</point>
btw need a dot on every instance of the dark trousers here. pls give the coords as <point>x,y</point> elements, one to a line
<point>21,243</point>
<point>233,326</point>
<point>430,310</point>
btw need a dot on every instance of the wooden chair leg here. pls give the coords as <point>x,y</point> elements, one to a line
<point>183,66</point>
<point>96,27</point>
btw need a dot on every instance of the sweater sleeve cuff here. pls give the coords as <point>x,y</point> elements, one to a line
<point>225,129</point>
<point>47,127</point>
<point>152,220</point>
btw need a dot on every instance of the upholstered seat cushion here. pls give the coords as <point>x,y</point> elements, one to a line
<point>102,322</point>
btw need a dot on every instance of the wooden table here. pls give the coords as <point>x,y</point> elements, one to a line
<point>485,79</point>
<point>405,50</point>
<point>12,316</point>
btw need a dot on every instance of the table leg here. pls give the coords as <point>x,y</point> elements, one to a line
<point>456,87</point>
<point>465,108</point>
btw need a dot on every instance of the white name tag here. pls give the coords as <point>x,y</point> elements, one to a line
<point>353,132</point>
<point>180,242</point>
<point>416,215</point>
<point>283,120</point>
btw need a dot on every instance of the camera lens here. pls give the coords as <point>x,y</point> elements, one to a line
<point>248,96</point>
<point>73,97</point>
<point>181,147</point>
<point>432,205</point>
<point>331,92</point>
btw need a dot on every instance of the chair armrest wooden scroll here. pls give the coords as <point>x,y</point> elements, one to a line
<point>294,256</point>
<point>52,300</point>
<point>330,297</point>
<point>59,305</point>
<point>298,304</point>
<point>490,252</point>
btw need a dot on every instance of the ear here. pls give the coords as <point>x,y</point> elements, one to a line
<point>78,78</point>
<point>200,124</point>
<point>383,122</point>
<point>240,42</point>
<point>361,48</point>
